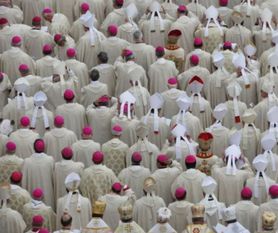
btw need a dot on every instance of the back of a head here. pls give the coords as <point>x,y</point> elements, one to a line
<point>66,220</point>
<point>102,57</point>
<point>137,36</point>
<point>94,75</point>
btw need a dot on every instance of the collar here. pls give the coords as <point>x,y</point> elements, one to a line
<point>204,155</point>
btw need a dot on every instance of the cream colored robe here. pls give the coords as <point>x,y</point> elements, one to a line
<point>145,211</point>
<point>31,9</point>
<point>24,140</point>
<point>197,9</point>
<point>217,87</point>
<point>5,87</point>
<point>86,52</point>
<point>115,154</point>
<point>34,40</point>
<point>113,46</point>
<point>159,73</point>
<point>66,8</point>
<point>205,59</point>
<point>44,66</point>
<point>264,61</point>
<point>122,71</point>
<point>39,127</point>
<point>228,61</point>
<point>270,77</point>
<point>34,84</point>
<point>220,140</point>
<point>80,70</point>
<point>30,209</point>
<point>134,177</point>
<point>225,14</point>
<point>157,138</point>
<point>93,91</point>
<point>74,117</point>
<point>61,51</point>
<point>96,225</point>
<point>170,8</point>
<point>214,38</point>
<point>229,186</point>
<point>38,172</point>
<point>111,214</point>
<point>246,214</point>
<point>128,227</point>
<point>18,57</point>
<point>191,180</point>
<point>164,178</point>
<point>97,181</point>
<point>240,35</point>
<point>11,112</point>
<point>99,8</point>
<point>57,139</point>
<point>170,107</point>
<point>187,26</point>
<point>55,91</point>
<point>204,116</point>
<point>144,54</point>
<point>8,164</point>
<point>271,205</point>
<point>19,197</point>
<point>263,193</point>
<point>250,20</point>
<point>11,221</point>
<point>250,138</point>
<point>83,150</point>
<point>141,105</point>
<point>149,152</point>
<point>228,120</point>
<point>158,37</point>
<point>191,122</point>
<point>3,140</point>
<point>79,219</point>
<point>166,227</point>
<point>13,14</point>
<point>126,30</point>
<point>262,41</point>
<point>261,109</point>
<point>185,77</point>
<point>59,24</point>
<point>117,17</point>
<point>181,214</point>
<point>100,120</point>
<point>61,170</point>
<point>128,135</point>
<point>107,75</point>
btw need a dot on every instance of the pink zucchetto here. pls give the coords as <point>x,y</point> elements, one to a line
<point>194,59</point>
<point>43,230</point>
<point>71,52</point>
<point>117,130</point>
<point>117,187</point>
<point>227,45</point>
<point>37,193</point>
<point>16,40</point>
<point>36,19</point>
<point>39,146</point>
<point>223,2</point>
<point>182,8</point>
<point>69,95</point>
<point>112,29</point>
<point>67,153</point>
<point>159,49</point>
<point>3,21</point>
<point>47,10</point>
<point>172,82</point>
<point>189,159</point>
<point>97,157</point>
<point>23,68</point>
<point>87,130</point>
<point>16,177</point>
<point>162,159</point>
<point>246,193</point>
<point>47,48</point>
<point>84,7</point>
<point>59,121</point>
<point>58,37</point>
<point>136,157</point>
<point>180,193</point>
<point>37,220</point>
<point>198,41</point>
<point>10,146</point>
<point>25,121</point>
<point>273,191</point>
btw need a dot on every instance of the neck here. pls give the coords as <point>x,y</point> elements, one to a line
<point>198,221</point>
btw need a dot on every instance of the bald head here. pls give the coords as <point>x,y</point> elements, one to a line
<point>137,36</point>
